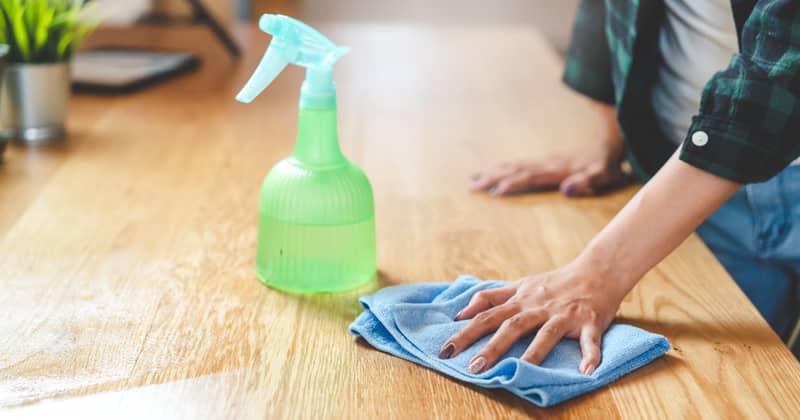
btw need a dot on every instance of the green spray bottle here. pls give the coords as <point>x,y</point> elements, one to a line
<point>316,228</point>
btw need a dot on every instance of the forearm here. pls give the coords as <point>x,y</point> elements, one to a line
<point>580,300</point>
<point>605,124</point>
<point>656,220</point>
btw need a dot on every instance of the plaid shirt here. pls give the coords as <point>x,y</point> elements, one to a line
<point>749,110</point>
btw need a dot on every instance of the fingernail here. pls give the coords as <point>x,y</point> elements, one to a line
<point>475,177</point>
<point>477,365</point>
<point>495,191</point>
<point>458,315</point>
<point>447,351</point>
<point>570,190</point>
<point>589,369</point>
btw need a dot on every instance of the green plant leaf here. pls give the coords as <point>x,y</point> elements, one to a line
<point>45,20</point>
<point>63,44</point>
<point>82,32</point>
<point>18,27</point>
<point>3,26</point>
<point>43,30</point>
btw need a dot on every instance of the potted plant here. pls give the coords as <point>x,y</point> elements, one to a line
<point>42,36</point>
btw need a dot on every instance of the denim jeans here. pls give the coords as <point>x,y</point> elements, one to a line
<point>756,237</point>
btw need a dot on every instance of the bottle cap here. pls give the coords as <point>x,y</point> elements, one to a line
<point>299,44</point>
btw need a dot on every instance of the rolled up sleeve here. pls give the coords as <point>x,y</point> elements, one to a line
<point>748,126</point>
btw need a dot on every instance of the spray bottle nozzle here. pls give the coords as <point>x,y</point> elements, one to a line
<point>297,43</point>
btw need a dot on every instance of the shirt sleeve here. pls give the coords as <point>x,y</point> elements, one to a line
<point>587,67</point>
<point>748,126</point>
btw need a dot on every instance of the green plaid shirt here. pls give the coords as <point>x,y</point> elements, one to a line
<point>750,110</point>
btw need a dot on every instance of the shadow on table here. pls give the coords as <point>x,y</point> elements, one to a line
<point>345,304</point>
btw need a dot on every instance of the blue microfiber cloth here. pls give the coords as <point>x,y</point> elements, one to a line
<point>412,321</point>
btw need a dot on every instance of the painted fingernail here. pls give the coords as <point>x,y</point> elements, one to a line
<point>447,351</point>
<point>477,365</point>
<point>495,191</point>
<point>458,315</point>
<point>589,369</point>
<point>570,190</point>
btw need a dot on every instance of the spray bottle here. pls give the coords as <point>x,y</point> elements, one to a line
<point>316,229</point>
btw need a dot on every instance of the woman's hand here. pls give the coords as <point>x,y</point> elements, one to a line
<point>580,300</point>
<point>573,302</point>
<point>592,171</point>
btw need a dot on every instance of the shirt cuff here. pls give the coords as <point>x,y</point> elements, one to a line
<point>730,150</point>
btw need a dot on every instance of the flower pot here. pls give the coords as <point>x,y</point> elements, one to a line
<point>33,102</point>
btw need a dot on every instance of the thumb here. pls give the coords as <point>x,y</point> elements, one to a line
<point>591,180</point>
<point>577,185</point>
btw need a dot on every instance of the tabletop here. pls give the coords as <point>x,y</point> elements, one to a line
<point>128,250</point>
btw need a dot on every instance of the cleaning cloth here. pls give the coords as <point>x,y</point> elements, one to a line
<point>412,321</point>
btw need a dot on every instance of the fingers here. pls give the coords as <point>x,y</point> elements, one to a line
<point>483,324</point>
<point>485,181</point>
<point>577,185</point>
<point>590,181</point>
<point>518,177</point>
<point>512,183</point>
<point>590,349</point>
<point>525,180</point>
<point>511,330</point>
<point>484,300</point>
<point>548,336</point>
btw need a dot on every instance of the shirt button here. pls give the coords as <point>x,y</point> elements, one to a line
<point>700,138</point>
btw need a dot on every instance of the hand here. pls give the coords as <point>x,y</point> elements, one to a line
<point>580,300</point>
<point>592,171</point>
<point>571,302</point>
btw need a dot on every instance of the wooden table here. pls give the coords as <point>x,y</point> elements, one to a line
<point>127,252</point>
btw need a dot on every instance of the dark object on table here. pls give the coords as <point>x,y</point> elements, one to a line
<point>121,70</point>
<point>200,15</point>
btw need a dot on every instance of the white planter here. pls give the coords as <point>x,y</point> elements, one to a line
<point>33,102</point>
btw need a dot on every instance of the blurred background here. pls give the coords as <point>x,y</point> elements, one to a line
<point>131,44</point>
<point>553,18</point>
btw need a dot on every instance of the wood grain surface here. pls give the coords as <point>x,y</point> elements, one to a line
<point>126,260</point>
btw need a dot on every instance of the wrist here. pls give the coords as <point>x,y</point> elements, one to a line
<point>610,132</point>
<point>603,263</point>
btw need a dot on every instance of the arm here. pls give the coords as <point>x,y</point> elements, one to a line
<point>656,220</point>
<point>751,114</point>
<point>581,299</point>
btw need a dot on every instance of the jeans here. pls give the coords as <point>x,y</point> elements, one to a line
<point>756,237</point>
